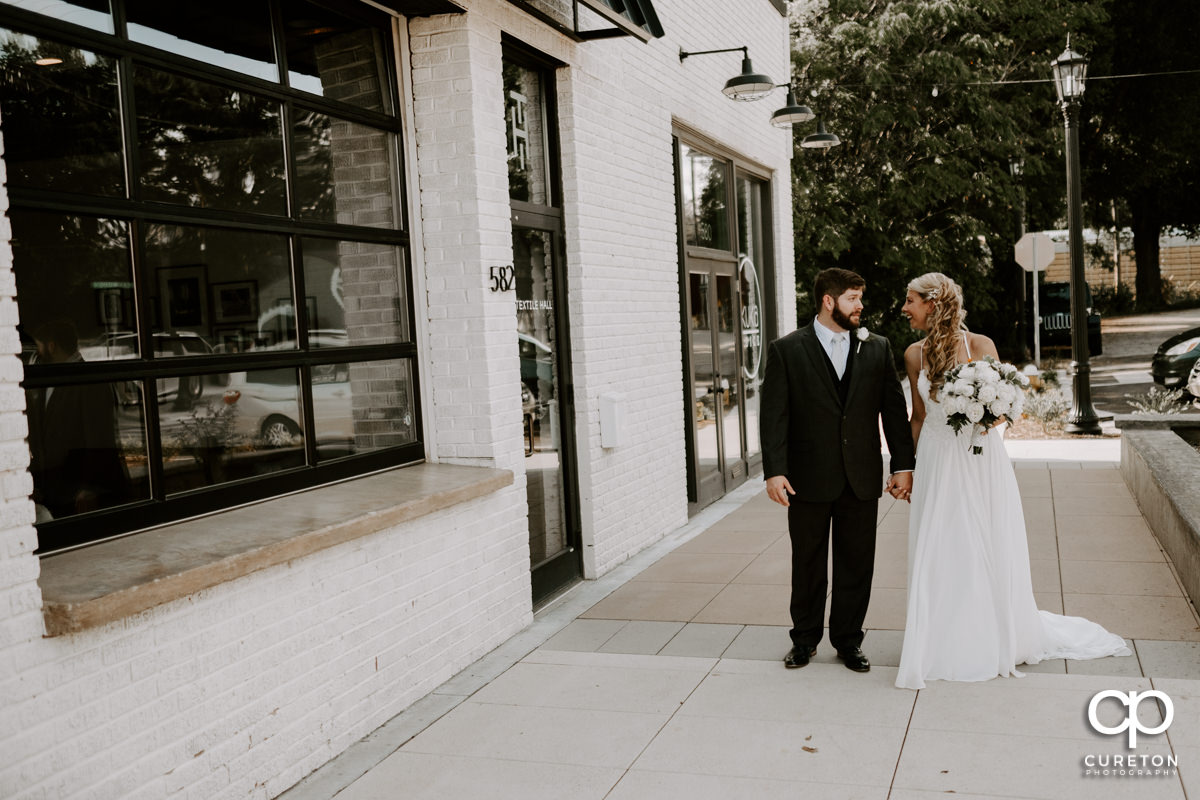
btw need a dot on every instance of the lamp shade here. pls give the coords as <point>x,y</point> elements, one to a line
<point>822,139</point>
<point>1070,74</point>
<point>750,85</point>
<point>792,113</point>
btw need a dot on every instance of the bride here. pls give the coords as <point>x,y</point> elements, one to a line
<point>971,611</point>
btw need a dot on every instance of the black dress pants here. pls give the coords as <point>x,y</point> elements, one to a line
<point>852,524</point>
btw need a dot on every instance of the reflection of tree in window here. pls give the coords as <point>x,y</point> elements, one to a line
<point>706,222</point>
<point>60,119</point>
<point>314,167</point>
<point>206,145</point>
<point>526,135</point>
<point>711,225</point>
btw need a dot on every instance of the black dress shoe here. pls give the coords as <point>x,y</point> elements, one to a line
<point>855,660</point>
<point>799,657</point>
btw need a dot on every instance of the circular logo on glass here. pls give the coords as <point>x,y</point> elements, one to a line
<point>751,320</point>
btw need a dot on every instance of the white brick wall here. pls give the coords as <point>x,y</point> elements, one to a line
<point>241,690</point>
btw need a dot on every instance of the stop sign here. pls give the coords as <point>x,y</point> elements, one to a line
<point>1034,252</point>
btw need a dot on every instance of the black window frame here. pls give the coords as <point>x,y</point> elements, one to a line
<point>87,528</point>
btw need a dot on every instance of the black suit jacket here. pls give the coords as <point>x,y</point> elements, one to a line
<point>820,441</point>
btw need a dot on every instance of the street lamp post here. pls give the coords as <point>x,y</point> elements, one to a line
<point>1070,72</point>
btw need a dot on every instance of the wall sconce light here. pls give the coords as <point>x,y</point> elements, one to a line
<point>792,112</point>
<point>822,139</point>
<point>749,85</point>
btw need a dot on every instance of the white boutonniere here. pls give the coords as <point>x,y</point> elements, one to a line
<point>863,334</point>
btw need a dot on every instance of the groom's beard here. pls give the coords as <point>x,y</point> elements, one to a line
<point>844,321</point>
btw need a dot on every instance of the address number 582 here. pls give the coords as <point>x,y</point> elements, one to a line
<point>502,278</point>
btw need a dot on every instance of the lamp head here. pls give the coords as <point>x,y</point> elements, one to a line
<point>1070,74</point>
<point>750,85</point>
<point>792,113</point>
<point>822,139</point>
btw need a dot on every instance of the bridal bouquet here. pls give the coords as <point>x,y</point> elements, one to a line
<point>980,393</point>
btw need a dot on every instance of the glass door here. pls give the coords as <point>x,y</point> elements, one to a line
<point>544,408</point>
<point>542,327</point>
<point>717,391</point>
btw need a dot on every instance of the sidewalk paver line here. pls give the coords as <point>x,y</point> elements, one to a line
<point>912,711</point>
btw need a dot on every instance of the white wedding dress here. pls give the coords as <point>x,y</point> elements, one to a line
<point>971,612</point>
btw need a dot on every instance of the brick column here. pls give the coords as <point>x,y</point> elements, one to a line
<point>463,178</point>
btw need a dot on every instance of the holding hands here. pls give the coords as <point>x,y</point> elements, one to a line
<point>899,485</point>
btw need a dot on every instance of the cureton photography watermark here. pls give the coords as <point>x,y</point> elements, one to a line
<point>1128,763</point>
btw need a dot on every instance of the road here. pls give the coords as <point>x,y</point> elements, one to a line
<point>1129,344</point>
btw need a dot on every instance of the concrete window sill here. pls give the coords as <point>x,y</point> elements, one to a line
<point>96,585</point>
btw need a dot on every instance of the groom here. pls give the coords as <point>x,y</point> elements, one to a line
<point>825,389</point>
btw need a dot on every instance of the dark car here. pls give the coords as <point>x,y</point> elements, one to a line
<point>1173,362</point>
<point>1054,300</point>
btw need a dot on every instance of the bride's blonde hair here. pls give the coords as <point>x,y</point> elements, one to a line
<point>946,325</point>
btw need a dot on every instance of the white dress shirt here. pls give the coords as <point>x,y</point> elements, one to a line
<point>837,346</point>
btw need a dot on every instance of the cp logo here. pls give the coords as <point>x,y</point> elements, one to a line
<point>1131,722</point>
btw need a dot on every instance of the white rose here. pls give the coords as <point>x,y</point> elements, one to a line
<point>988,392</point>
<point>964,388</point>
<point>863,334</point>
<point>957,405</point>
<point>974,411</point>
<point>1000,408</point>
<point>966,373</point>
<point>989,375</point>
<point>1006,392</point>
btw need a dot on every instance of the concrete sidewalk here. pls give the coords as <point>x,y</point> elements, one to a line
<point>664,678</point>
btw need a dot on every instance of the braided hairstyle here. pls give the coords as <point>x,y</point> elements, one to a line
<point>945,323</point>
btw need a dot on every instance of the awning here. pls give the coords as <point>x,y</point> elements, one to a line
<point>585,20</point>
<point>632,17</point>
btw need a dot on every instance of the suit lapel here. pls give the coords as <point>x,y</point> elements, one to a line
<point>819,362</point>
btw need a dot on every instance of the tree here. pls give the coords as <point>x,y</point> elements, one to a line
<point>1139,139</point>
<point>921,182</point>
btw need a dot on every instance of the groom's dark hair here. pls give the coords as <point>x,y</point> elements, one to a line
<point>835,283</point>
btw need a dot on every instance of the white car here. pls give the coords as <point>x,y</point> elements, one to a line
<point>267,404</point>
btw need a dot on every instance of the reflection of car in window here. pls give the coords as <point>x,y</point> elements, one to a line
<point>123,345</point>
<point>267,402</point>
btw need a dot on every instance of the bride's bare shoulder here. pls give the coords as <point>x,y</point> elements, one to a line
<point>983,346</point>
<point>912,354</point>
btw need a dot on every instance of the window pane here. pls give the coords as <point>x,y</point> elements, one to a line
<point>92,14</point>
<point>206,145</point>
<point>229,426</point>
<point>74,276</point>
<point>356,293</point>
<point>211,287</point>
<point>705,216</point>
<point>334,56</point>
<point>362,406</point>
<point>87,445</point>
<point>203,31</point>
<point>61,123</point>
<point>344,171</point>
<point>526,128</point>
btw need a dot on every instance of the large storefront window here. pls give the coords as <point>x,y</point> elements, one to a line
<point>210,254</point>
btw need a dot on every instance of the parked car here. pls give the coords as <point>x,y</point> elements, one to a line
<point>1054,300</point>
<point>267,402</point>
<point>121,345</point>
<point>1173,362</point>
<point>1193,384</point>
